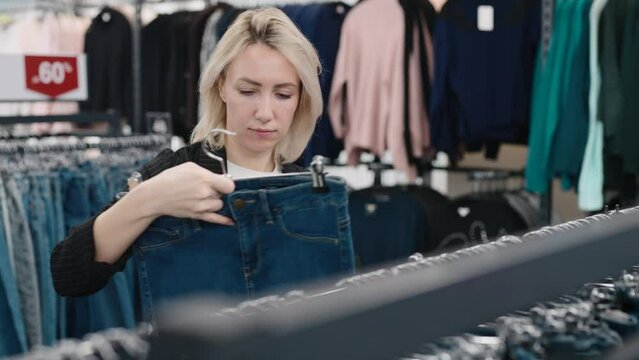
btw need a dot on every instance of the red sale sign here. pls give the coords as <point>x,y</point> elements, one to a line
<point>51,75</point>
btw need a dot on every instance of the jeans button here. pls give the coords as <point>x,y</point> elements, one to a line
<point>239,203</point>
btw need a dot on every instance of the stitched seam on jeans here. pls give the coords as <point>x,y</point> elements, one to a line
<point>258,262</point>
<point>311,238</point>
<point>171,232</point>
<point>347,261</point>
<point>298,207</point>
<point>162,244</point>
<point>145,287</point>
<point>247,284</point>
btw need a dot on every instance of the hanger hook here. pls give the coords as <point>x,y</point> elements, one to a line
<point>210,154</point>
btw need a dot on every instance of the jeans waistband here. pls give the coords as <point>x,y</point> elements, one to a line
<point>270,195</point>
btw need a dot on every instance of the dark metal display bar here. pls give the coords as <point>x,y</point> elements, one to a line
<point>388,317</point>
<point>469,169</point>
<point>136,64</point>
<point>86,118</point>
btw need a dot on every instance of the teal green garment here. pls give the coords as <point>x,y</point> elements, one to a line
<point>591,179</point>
<point>546,97</point>
<point>571,133</point>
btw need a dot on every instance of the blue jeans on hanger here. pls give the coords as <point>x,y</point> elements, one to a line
<point>284,235</point>
<point>38,215</point>
<point>75,191</point>
<point>98,191</point>
<point>115,304</point>
<point>58,230</point>
<point>13,339</point>
<point>24,257</point>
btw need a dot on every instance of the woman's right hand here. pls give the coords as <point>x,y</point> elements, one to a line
<point>190,191</point>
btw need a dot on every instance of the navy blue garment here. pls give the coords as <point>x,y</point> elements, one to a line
<point>284,234</point>
<point>322,25</point>
<point>388,224</point>
<point>483,79</point>
<point>226,20</point>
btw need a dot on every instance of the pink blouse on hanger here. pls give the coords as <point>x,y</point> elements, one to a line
<point>369,115</point>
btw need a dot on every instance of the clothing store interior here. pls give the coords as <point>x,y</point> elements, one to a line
<point>317,179</point>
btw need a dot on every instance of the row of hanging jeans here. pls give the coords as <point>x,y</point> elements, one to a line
<point>116,344</point>
<point>288,231</point>
<point>44,191</point>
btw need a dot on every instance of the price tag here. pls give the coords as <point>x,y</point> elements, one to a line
<point>51,75</point>
<point>485,18</point>
<point>37,77</point>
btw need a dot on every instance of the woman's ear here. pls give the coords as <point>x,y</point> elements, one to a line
<point>220,90</point>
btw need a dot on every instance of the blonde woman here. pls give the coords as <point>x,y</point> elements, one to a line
<point>261,83</point>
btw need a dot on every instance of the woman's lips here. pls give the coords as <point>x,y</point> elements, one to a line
<point>263,133</point>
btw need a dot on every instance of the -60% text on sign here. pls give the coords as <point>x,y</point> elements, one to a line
<point>51,75</point>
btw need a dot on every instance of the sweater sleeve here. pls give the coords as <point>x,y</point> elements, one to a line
<point>73,267</point>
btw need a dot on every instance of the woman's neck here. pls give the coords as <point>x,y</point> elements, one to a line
<point>258,161</point>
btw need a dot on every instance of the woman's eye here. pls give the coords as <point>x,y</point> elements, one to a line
<point>247,92</point>
<point>283,96</point>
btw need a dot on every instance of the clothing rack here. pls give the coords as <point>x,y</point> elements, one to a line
<point>116,343</point>
<point>77,144</point>
<point>545,199</point>
<point>83,118</point>
<point>36,4</point>
<point>394,314</point>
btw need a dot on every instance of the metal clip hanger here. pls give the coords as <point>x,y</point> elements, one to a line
<point>318,174</point>
<point>210,154</point>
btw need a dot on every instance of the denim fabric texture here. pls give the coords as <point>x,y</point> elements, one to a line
<point>98,190</point>
<point>116,304</point>
<point>58,231</point>
<point>75,190</point>
<point>24,256</point>
<point>285,234</point>
<point>13,335</point>
<point>38,207</point>
<point>39,218</point>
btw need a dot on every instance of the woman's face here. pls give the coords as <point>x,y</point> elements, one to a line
<point>261,91</point>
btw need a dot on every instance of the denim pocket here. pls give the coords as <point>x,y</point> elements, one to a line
<point>312,224</point>
<point>164,231</point>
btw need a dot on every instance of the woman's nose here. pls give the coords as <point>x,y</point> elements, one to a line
<point>264,110</point>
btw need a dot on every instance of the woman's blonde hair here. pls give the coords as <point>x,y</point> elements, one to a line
<point>271,27</point>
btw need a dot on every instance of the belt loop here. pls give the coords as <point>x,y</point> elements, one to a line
<point>266,211</point>
<point>195,225</point>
